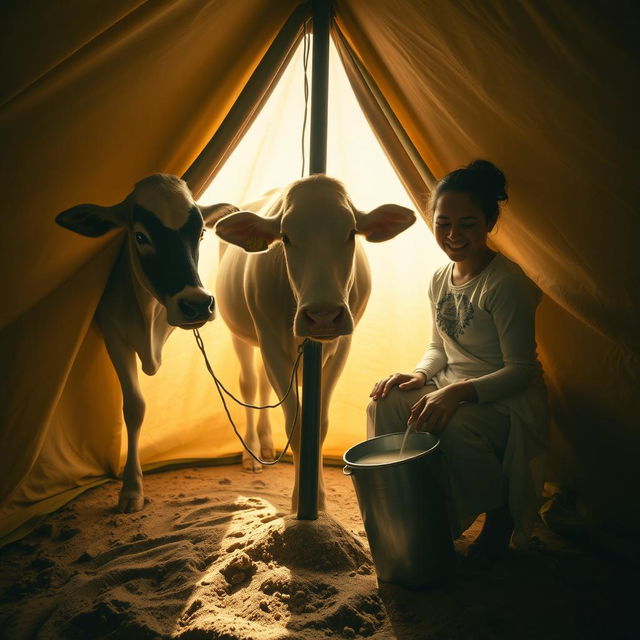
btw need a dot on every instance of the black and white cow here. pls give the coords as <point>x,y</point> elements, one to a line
<point>153,288</point>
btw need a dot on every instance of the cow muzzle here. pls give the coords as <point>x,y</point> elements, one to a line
<point>323,323</point>
<point>191,308</point>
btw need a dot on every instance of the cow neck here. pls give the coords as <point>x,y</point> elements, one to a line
<point>154,330</point>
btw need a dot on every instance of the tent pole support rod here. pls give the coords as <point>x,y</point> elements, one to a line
<point>310,452</point>
<point>321,12</point>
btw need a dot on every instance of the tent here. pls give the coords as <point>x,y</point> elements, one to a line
<point>96,95</point>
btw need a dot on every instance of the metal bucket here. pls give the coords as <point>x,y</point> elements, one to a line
<point>403,510</point>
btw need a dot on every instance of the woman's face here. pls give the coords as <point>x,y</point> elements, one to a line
<point>460,227</point>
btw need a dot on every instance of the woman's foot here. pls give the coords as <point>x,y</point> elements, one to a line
<point>493,541</point>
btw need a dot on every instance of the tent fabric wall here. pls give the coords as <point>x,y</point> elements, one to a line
<point>546,90</point>
<point>96,95</point>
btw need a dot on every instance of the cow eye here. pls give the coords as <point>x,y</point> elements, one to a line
<point>352,234</point>
<point>202,232</point>
<point>285,239</point>
<point>141,239</point>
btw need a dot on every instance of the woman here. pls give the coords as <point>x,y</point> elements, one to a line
<point>479,385</point>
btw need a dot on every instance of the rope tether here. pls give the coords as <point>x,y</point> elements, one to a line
<point>221,388</point>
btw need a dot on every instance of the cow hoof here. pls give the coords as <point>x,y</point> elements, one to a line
<point>268,454</point>
<point>130,502</point>
<point>251,466</point>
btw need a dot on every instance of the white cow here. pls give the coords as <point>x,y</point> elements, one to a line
<point>298,272</point>
<point>153,288</point>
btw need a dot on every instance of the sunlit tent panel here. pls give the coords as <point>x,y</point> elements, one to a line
<point>545,90</point>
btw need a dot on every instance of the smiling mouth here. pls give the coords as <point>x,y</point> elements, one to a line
<point>456,248</point>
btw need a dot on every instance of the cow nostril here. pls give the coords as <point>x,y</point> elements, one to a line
<point>324,317</point>
<point>188,309</point>
<point>194,309</point>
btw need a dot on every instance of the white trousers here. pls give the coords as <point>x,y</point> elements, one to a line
<point>472,446</point>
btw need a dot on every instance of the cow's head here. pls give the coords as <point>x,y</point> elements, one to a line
<point>164,228</point>
<point>314,224</point>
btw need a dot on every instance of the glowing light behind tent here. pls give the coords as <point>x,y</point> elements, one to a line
<point>396,325</point>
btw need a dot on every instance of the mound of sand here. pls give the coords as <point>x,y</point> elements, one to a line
<point>279,577</point>
<point>232,567</point>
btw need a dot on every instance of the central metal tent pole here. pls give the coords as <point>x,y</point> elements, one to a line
<point>309,463</point>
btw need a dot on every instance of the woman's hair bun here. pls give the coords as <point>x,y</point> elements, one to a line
<point>482,181</point>
<point>490,178</point>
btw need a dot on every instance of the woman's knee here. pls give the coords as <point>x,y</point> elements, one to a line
<point>389,414</point>
<point>460,433</point>
<point>371,420</point>
<point>477,430</point>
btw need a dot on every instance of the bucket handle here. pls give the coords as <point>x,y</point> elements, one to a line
<point>347,470</point>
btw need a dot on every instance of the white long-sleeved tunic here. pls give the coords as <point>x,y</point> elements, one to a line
<point>484,332</point>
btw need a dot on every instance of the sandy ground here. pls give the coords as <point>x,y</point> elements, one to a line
<point>214,555</point>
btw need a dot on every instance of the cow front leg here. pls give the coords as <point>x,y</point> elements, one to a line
<point>131,498</point>
<point>333,364</point>
<point>267,449</point>
<point>289,408</point>
<point>248,387</point>
<point>278,366</point>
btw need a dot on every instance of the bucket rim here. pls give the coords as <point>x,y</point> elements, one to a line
<point>356,465</point>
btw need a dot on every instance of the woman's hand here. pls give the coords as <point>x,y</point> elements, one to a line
<point>434,410</point>
<point>403,381</point>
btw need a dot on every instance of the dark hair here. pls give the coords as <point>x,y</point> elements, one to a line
<point>482,181</point>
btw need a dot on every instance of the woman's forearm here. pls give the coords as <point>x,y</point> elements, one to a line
<point>463,391</point>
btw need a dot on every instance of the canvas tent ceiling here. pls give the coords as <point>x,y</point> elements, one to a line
<point>96,95</point>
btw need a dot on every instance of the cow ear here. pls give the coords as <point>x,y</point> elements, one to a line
<point>213,212</point>
<point>92,220</point>
<point>250,231</point>
<point>384,222</point>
